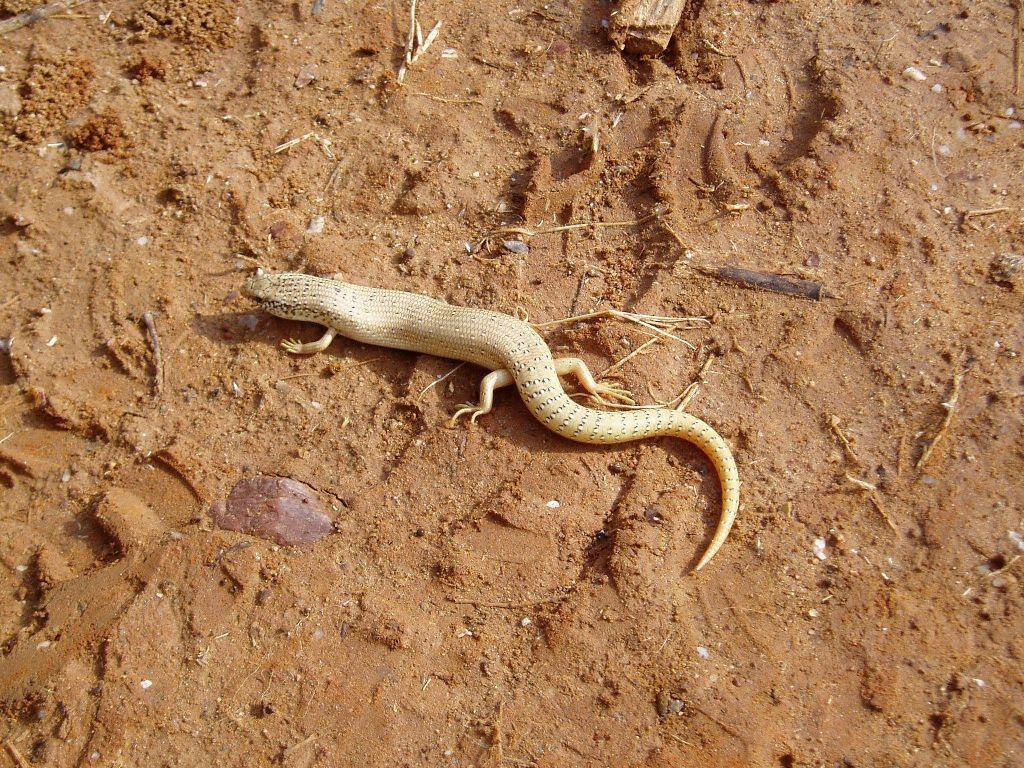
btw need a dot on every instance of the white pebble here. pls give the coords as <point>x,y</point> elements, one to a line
<point>51,342</point>
<point>142,241</point>
<point>525,621</point>
<point>449,53</point>
<point>21,568</point>
<point>937,88</point>
<point>913,73</point>
<point>145,684</point>
<point>813,613</point>
<point>818,548</point>
<point>703,652</point>
<point>944,150</point>
<point>316,225</point>
<point>516,246</point>
<point>978,682</point>
<point>553,504</point>
<point>1017,539</point>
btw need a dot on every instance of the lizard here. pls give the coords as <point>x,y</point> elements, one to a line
<point>511,349</point>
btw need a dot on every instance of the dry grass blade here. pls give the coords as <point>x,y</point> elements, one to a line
<point>657,213</point>
<point>415,43</point>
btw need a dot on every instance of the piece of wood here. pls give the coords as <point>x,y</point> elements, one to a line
<point>791,286</point>
<point>644,27</point>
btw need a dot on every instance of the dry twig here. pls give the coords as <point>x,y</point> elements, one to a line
<point>791,286</point>
<point>949,405</point>
<point>149,319</point>
<point>833,422</point>
<point>16,756</point>
<point>1018,17</point>
<point>34,15</point>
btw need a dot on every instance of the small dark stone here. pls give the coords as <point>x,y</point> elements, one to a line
<point>668,705</point>
<point>279,509</point>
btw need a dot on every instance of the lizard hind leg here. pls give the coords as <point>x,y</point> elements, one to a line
<point>602,393</point>
<point>492,381</point>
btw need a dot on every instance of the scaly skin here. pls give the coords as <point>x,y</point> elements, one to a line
<point>510,348</point>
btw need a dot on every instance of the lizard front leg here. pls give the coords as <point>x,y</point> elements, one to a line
<point>312,347</point>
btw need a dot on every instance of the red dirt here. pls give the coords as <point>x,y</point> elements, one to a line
<point>454,616</point>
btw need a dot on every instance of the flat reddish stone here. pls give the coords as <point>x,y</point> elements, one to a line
<point>275,508</point>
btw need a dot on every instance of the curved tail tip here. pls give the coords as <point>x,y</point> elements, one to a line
<point>721,534</point>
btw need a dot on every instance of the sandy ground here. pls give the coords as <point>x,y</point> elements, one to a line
<point>867,609</point>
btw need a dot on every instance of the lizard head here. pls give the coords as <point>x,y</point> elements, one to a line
<point>291,295</point>
<point>259,285</point>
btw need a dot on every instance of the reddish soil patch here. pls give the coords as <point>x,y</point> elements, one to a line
<point>867,609</point>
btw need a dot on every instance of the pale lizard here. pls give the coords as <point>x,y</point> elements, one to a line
<point>510,348</point>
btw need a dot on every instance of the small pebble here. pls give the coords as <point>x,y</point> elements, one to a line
<point>937,88</point>
<point>818,548</point>
<point>449,53</point>
<point>1017,539</point>
<point>145,684</point>
<point>5,345</point>
<point>316,225</point>
<point>516,246</point>
<point>525,621</point>
<point>1005,267</point>
<point>703,652</point>
<point>143,241</point>
<point>52,341</point>
<point>913,73</point>
<point>553,504</point>
<point>10,101</point>
<point>305,76</point>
